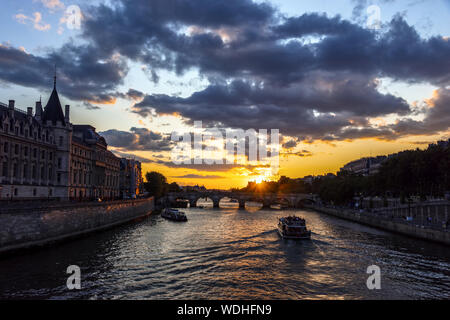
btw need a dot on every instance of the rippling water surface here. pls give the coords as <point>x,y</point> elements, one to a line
<point>232,254</point>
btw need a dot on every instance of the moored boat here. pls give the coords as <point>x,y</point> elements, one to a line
<point>173,214</point>
<point>293,227</point>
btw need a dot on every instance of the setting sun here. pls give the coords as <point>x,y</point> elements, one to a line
<point>258,179</point>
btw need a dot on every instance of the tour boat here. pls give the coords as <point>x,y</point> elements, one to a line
<point>173,214</point>
<point>293,228</point>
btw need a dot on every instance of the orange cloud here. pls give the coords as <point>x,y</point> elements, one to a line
<point>38,24</point>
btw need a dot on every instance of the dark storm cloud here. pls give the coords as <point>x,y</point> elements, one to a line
<point>246,105</point>
<point>127,155</point>
<point>312,76</point>
<point>313,24</point>
<point>135,94</point>
<point>306,89</point>
<point>82,74</point>
<point>260,44</point>
<point>137,139</point>
<point>437,117</point>
<point>290,144</point>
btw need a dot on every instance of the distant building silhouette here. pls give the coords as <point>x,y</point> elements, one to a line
<point>364,166</point>
<point>131,181</point>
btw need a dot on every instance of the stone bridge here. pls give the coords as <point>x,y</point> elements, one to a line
<point>292,200</point>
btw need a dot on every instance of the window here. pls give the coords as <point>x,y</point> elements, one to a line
<point>34,192</point>
<point>51,156</point>
<point>25,151</point>
<point>5,169</point>
<point>33,172</point>
<point>50,173</point>
<point>16,149</point>
<point>16,192</point>
<point>35,152</point>
<point>58,177</point>
<point>6,128</point>
<point>25,171</point>
<point>60,140</point>
<point>5,147</point>
<point>42,173</point>
<point>43,155</point>
<point>16,170</point>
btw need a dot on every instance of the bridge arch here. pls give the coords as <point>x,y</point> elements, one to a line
<point>284,202</point>
<point>305,201</point>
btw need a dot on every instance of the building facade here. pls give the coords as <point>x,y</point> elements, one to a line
<point>44,156</point>
<point>364,166</point>
<point>131,181</point>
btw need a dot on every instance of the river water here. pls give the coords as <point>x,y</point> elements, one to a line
<point>231,254</point>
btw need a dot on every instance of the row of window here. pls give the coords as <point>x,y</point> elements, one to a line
<point>28,132</point>
<point>16,192</point>
<point>23,172</point>
<point>81,152</point>
<point>36,134</point>
<point>16,150</point>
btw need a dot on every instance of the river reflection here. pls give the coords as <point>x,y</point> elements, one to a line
<point>232,254</point>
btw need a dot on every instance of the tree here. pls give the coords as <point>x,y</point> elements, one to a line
<point>156,184</point>
<point>174,187</point>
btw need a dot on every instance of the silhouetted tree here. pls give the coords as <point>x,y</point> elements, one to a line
<point>156,184</point>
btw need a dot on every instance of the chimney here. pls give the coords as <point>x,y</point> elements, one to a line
<point>67,113</point>
<point>38,110</point>
<point>11,104</point>
<point>30,111</point>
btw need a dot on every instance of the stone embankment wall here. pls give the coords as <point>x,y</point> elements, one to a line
<point>32,225</point>
<point>378,220</point>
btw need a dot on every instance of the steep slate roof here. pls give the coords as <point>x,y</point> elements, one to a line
<point>88,133</point>
<point>53,110</point>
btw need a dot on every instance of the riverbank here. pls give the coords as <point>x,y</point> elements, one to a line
<point>25,227</point>
<point>377,221</point>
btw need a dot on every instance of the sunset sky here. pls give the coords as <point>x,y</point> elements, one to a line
<point>138,70</point>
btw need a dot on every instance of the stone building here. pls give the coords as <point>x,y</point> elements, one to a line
<point>131,181</point>
<point>44,156</point>
<point>364,166</point>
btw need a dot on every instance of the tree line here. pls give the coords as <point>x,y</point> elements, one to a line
<point>409,173</point>
<point>156,184</point>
